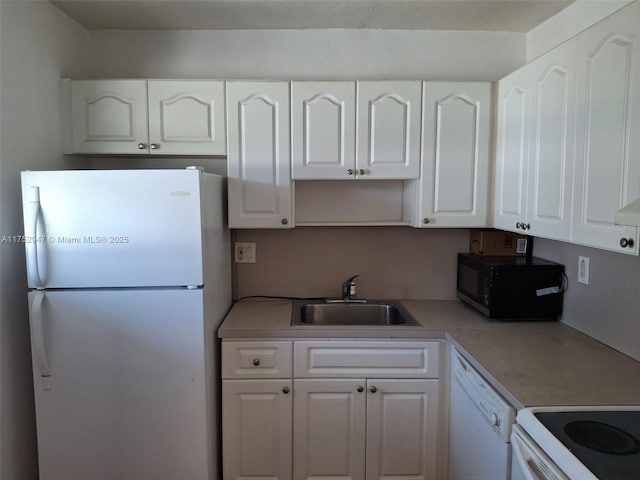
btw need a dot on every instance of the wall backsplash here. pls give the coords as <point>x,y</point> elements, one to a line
<point>393,262</point>
<point>608,308</point>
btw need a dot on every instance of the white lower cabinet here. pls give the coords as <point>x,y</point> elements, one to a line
<point>256,428</point>
<point>329,417</point>
<point>360,429</point>
<point>377,417</point>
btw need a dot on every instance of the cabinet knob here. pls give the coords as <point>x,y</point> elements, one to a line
<point>284,221</point>
<point>426,220</point>
<point>360,388</point>
<point>285,390</point>
<point>142,146</point>
<point>154,146</point>
<point>519,225</point>
<point>626,242</point>
<point>361,171</point>
<point>256,361</point>
<point>350,171</point>
<point>373,389</point>
<point>527,226</point>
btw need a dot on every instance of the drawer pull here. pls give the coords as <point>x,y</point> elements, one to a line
<point>256,361</point>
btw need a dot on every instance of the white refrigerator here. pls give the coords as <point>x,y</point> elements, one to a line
<point>129,277</point>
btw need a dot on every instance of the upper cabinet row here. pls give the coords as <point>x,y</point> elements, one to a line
<point>422,147</point>
<point>418,152</point>
<point>568,152</point>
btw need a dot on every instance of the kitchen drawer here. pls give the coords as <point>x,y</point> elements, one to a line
<point>256,359</point>
<point>390,359</point>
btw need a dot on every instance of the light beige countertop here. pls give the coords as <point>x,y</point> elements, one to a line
<point>529,363</point>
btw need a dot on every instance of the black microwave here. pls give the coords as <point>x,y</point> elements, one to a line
<point>511,288</point>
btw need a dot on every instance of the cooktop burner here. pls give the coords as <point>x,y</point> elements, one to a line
<point>602,437</point>
<point>606,442</point>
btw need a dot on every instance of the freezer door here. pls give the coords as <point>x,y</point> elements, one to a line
<point>120,385</point>
<point>113,228</point>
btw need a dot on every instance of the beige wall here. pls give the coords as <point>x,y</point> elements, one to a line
<point>307,54</point>
<point>609,307</point>
<point>393,262</point>
<point>38,45</point>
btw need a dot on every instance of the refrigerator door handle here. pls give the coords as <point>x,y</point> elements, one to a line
<point>37,339</point>
<point>36,242</point>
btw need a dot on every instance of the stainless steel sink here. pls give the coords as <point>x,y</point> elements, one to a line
<point>372,313</point>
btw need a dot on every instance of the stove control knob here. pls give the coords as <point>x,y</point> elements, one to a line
<point>495,420</point>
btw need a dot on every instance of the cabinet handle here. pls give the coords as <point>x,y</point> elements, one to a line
<point>360,389</point>
<point>361,171</point>
<point>256,361</point>
<point>142,146</point>
<point>285,390</point>
<point>426,221</point>
<point>284,221</point>
<point>626,242</point>
<point>350,171</point>
<point>373,389</point>
<point>154,146</point>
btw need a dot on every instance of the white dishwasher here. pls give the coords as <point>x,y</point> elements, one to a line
<point>480,427</point>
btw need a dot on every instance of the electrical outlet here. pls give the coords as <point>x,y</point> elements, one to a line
<point>583,270</point>
<point>245,252</point>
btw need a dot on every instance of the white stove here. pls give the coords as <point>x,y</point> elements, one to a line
<point>577,443</point>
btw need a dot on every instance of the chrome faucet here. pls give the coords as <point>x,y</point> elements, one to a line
<point>349,289</point>
<point>348,292</point>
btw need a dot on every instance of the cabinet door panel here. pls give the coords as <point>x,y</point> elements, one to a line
<point>323,122</point>
<point>256,429</point>
<point>455,172</point>
<point>608,95</point>
<point>329,429</point>
<point>389,129</point>
<point>109,116</point>
<point>552,142</point>
<point>402,421</point>
<point>512,150</point>
<point>187,117</point>
<point>258,159</point>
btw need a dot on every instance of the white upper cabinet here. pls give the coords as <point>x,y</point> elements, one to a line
<point>510,185</point>
<point>551,146</point>
<point>607,174</point>
<point>323,123</point>
<point>324,128</point>
<point>164,117</point>
<point>109,116</point>
<point>388,130</point>
<point>187,117</point>
<point>454,186</point>
<point>536,122</point>
<point>258,162</point>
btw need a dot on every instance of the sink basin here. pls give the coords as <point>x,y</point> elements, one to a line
<point>372,313</point>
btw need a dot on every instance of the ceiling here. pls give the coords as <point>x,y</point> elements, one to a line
<point>495,15</point>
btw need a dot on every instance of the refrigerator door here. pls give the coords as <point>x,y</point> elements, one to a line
<point>113,228</point>
<point>121,384</point>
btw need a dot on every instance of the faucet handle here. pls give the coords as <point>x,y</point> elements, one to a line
<point>350,280</point>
